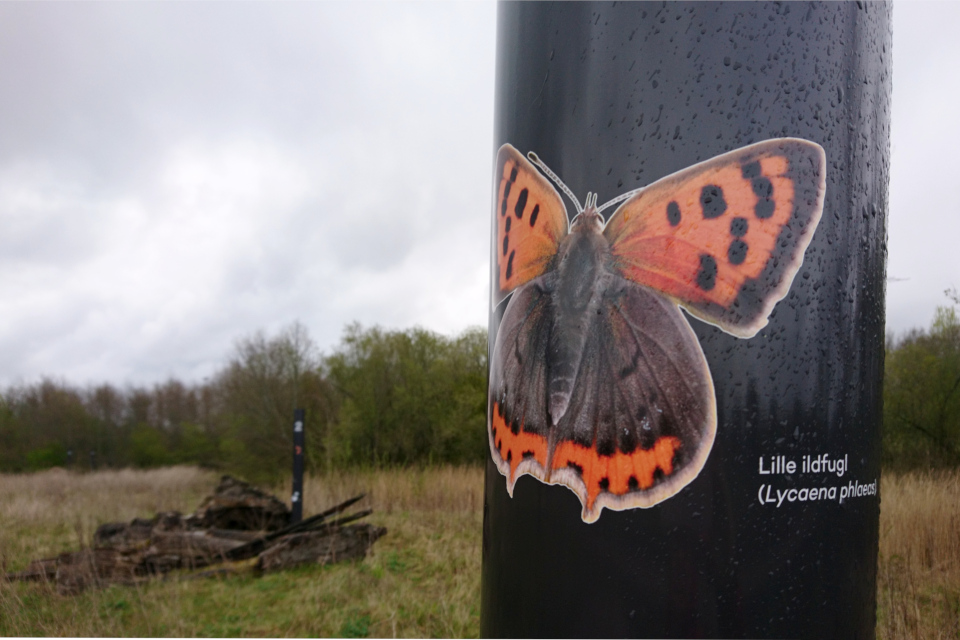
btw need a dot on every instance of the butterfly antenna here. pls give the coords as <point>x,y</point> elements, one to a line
<point>619,199</point>
<point>550,174</point>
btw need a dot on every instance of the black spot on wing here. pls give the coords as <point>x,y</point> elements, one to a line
<point>673,213</point>
<point>707,274</point>
<point>534,214</point>
<point>606,446</point>
<point>738,227</point>
<point>712,201</point>
<point>763,188</point>
<point>764,209</point>
<point>521,204</point>
<point>750,170</point>
<point>506,190</point>
<point>575,467</point>
<point>506,227</point>
<point>506,243</point>
<point>509,273</point>
<point>737,252</point>
<point>658,475</point>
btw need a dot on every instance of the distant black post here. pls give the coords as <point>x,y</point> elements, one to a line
<point>296,500</point>
<point>93,460</point>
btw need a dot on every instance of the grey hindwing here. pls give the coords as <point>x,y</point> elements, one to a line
<point>518,380</point>
<point>643,376</point>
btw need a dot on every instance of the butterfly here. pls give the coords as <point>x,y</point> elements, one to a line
<point>597,380</point>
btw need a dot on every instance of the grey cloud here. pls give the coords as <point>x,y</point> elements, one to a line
<point>176,175</point>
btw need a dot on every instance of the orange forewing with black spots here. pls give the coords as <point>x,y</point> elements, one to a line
<point>597,380</point>
<point>531,221</point>
<point>725,237</point>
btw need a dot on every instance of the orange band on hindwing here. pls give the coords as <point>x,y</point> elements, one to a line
<point>618,474</point>
<point>613,474</point>
<point>514,446</point>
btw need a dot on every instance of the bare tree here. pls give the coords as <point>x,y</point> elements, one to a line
<point>265,380</point>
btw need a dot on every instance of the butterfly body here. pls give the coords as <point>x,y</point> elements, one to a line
<point>583,275</point>
<point>597,380</point>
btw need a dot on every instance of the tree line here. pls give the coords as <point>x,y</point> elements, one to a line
<point>382,398</point>
<point>921,394</point>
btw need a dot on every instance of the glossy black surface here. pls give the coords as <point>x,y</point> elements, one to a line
<point>613,97</point>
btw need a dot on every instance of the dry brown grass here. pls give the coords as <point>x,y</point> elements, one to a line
<point>422,579</point>
<point>43,514</point>
<point>918,591</point>
<point>443,490</point>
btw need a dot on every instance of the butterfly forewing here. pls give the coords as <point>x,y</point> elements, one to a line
<point>531,222</point>
<point>725,237</point>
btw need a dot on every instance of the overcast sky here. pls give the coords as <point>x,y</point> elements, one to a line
<point>174,176</point>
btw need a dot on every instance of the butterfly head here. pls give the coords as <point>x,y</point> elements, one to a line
<point>589,218</point>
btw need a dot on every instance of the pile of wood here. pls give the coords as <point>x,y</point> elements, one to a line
<point>238,527</point>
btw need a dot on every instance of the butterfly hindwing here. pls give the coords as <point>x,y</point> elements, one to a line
<point>725,237</point>
<point>517,408</point>
<point>642,418</point>
<point>531,222</point>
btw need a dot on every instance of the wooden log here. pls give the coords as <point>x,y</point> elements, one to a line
<point>97,567</point>
<point>236,504</point>
<point>256,546</point>
<point>327,546</point>
<point>138,530</point>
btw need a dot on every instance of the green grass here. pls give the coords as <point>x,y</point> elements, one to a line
<point>422,579</point>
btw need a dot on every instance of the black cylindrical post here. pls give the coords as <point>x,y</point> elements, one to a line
<point>296,499</point>
<point>685,385</point>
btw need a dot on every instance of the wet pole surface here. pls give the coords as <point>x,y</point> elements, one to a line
<point>613,97</point>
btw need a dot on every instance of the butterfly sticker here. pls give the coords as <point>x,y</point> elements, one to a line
<point>597,380</point>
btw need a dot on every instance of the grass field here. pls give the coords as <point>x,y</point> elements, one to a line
<point>422,579</point>
<point>918,590</point>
